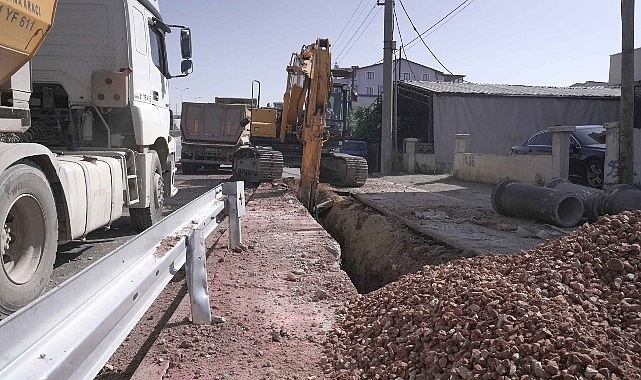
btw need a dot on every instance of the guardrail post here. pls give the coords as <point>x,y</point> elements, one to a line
<point>235,192</point>
<point>196,268</point>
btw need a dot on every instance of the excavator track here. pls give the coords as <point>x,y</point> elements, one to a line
<point>257,164</point>
<point>339,169</point>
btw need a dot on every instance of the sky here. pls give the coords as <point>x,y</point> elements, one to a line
<point>542,42</point>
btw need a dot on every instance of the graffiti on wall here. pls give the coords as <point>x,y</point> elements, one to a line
<point>469,160</point>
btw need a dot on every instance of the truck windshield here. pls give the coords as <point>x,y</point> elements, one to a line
<point>335,106</point>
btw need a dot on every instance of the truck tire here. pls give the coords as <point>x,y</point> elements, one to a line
<point>143,218</point>
<point>28,237</point>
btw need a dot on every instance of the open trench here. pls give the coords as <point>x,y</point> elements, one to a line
<point>377,250</point>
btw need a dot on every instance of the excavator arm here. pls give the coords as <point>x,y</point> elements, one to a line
<point>305,102</point>
<point>304,105</point>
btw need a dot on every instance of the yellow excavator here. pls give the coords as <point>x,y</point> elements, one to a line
<point>298,130</point>
<point>309,73</point>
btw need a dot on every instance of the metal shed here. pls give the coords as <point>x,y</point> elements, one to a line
<point>495,116</point>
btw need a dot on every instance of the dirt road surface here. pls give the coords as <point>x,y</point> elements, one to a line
<point>275,300</point>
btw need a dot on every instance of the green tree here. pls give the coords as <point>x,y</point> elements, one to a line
<point>365,124</point>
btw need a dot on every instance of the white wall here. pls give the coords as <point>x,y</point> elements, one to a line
<point>493,168</point>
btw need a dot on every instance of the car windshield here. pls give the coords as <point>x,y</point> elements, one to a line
<point>590,136</point>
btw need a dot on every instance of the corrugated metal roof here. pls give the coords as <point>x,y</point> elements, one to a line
<point>515,90</point>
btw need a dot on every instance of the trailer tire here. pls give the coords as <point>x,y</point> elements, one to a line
<point>26,204</point>
<point>143,218</point>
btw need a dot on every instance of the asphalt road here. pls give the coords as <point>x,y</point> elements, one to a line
<point>75,256</point>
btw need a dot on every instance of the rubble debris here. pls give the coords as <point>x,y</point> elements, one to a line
<point>526,232</point>
<point>216,319</point>
<point>569,308</point>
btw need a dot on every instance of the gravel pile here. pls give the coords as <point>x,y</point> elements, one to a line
<point>567,309</point>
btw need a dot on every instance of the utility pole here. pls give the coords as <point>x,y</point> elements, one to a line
<point>389,46</point>
<point>626,136</point>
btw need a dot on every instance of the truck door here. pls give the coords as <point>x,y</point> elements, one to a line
<point>150,85</point>
<point>158,73</point>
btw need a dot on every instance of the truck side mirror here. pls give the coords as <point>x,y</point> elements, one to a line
<point>185,43</point>
<point>186,66</point>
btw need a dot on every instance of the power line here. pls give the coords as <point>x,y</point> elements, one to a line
<point>414,41</point>
<point>402,51</point>
<point>348,21</point>
<point>436,23</point>
<point>339,58</point>
<point>351,29</point>
<point>421,37</point>
<point>355,32</point>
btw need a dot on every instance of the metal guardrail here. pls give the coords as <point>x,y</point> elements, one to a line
<point>72,331</point>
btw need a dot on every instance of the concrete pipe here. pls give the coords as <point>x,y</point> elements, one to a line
<point>621,198</point>
<point>512,198</point>
<point>592,198</point>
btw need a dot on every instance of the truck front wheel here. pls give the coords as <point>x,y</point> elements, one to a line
<point>143,218</point>
<point>28,235</point>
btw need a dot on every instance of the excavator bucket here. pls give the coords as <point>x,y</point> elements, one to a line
<point>23,27</point>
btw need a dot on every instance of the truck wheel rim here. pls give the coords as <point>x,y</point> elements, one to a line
<point>22,239</point>
<point>160,191</point>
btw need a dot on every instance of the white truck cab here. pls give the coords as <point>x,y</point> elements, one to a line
<point>84,131</point>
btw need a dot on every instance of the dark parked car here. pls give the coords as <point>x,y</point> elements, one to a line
<point>354,148</point>
<point>587,152</point>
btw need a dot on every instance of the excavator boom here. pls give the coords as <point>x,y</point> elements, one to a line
<point>302,122</point>
<point>304,107</point>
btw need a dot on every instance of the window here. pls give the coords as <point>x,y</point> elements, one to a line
<point>425,77</point>
<point>543,138</point>
<point>140,25</point>
<point>156,40</point>
<point>370,75</point>
<point>369,90</point>
<point>590,136</point>
<point>406,76</point>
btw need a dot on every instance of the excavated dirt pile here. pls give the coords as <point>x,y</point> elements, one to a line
<point>568,309</point>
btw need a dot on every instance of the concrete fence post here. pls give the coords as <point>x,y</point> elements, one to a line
<point>409,154</point>
<point>460,142</point>
<point>560,150</point>
<point>460,148</point>
<point>611,163</point>
<point>235,192</point>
